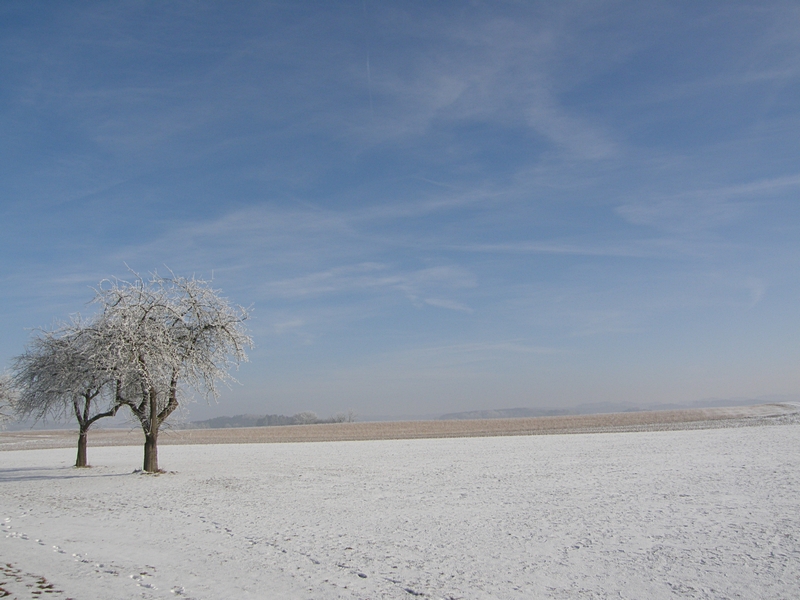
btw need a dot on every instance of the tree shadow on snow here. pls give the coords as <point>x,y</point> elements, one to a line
<point>50,474</point>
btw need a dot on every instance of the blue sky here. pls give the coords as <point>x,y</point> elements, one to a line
<point>432,207</point>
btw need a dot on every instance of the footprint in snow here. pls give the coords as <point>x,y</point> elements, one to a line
<point>140,581</point>
<point>19,584</point>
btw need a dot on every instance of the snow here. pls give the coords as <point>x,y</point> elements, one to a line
<point>670,514</point>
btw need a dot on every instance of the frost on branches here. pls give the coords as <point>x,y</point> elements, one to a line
<point>168,335</point>
<point>151,342</point>
<point>67,370</point>
<point>8,398</point>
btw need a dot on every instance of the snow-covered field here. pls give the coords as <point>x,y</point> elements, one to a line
<point>670,514</point>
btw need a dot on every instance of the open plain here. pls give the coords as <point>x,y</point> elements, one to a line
<point>699,418</point>
<point>697,509</point>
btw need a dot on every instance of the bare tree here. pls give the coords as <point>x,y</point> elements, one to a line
<point>67,370</point>
<point>169,335</point>
<point>348,417</point>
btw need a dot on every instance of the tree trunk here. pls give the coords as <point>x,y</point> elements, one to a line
<point>151,434</point>
<point>151,452</point>
<point>81,460</point>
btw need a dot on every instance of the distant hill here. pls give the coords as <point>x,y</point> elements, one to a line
<point>598,408</point>
<point>506,413</point>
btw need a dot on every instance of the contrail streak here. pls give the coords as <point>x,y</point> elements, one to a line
<point>369,86</point>
<point>369,73</point>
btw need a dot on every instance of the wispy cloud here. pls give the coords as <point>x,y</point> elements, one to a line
<point>578,137</point>
<point>415,285</point>
<point>485,69</point>
<point>682,214</point>
<point>489,348</point>
<point>448,304</point>
<point>292,324</point>
<point>332,281</point>
<point>705,208</point>
<point>658,248</point>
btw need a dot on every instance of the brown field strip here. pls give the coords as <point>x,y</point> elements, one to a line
<point>389,430</point>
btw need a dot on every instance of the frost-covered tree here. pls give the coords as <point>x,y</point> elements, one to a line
<point>169,335</point>
<point>64,371</point>
<point>306,418</point>
<point>8,398</point>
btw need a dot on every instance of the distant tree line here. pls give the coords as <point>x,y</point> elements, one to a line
<point>302,418</point>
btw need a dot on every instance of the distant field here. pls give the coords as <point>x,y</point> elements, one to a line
<point>615,422</point>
